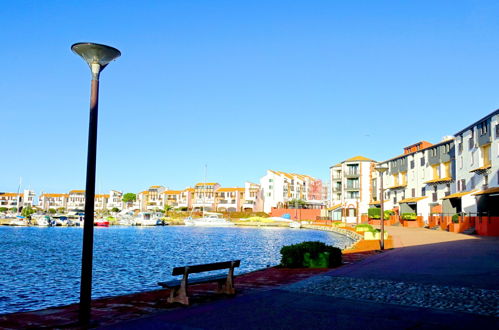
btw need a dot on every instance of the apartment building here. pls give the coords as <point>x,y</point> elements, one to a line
<point>115,200</point>
<point>186,198</point>
<point>52,201</point>
<point>253,201</point>
<point>351,190</point>
<point>10,200</point>
<point>76,200</point>
<point>172,198</point>
<point>152,198</point>
<point>278,188</point>
<point>229,199</point>
<point>477,167</point>
<point>204,196</point>
<point>101,201</point>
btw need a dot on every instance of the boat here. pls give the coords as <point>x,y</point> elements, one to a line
<point>19,221</point>
<point>295,224</point>
<point>209,219</point>
<point>43,221</point>
<point>147,219</point>
<point>101,222</point>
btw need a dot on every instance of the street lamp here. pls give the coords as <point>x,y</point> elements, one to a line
<point>382,169</point>
<point>97,57</point>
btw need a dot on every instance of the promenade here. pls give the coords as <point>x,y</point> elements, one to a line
<point>432,280</point>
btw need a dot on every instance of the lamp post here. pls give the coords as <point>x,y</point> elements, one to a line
<point>97,57</point>
<point>381,170</point>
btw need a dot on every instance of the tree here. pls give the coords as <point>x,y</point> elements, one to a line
<point>13,209</point>
<point>61,210</point>
<point>168,208</point>
<point>27,211</point>
<point>129,198</point>
<point>3,209</point>
<point>297,203</point>
<point>115,210</point>
<point>52,211</point>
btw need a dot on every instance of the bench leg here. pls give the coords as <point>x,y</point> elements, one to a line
<point>226,287</point>
<point>179,294</point>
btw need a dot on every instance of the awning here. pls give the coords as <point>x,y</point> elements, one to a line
<point>440,180</point>
<point>481,169</point>
<point>459,194</point>
<point>335,207</point>
<point>412,200</point>
<point>378,202</point>
<point>487,191</point>
<point>399,186</point>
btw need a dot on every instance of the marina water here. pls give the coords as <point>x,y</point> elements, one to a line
<point>40,267</point>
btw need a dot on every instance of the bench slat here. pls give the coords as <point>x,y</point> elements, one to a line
<point>206,279</point>
<point>205,267</point>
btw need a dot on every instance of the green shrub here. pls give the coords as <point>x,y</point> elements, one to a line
<point>409,216</point>
<point>388,213</point>
<point>3,209</point>
<point>364,227</point>
<point>374,213</point>
<point>292,256</point>
<point>455,218</point>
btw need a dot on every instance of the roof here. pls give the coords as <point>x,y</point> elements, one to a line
<point>359,159</point>
<point>154,187</point>
<point>102,196</point>
<point>144,192</point>
<point>188,189</point>
<point>77,192</point>
<point>54,195</point>
<point>493,113</point>
<point>420,150</point>
<point>10,194</point>
<point>206,184</point>
<point>459,194</point>
<point>412,200</point>
<point>337,165</point>
<point>172,192</point>
<point>332,208</point>
<point>229,189</point>
<point>293,175</point>
<point>378,202</point>
<point>487,191</point>
<point>440,180</point>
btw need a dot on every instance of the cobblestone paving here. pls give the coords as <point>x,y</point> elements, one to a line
<point>460,299</point>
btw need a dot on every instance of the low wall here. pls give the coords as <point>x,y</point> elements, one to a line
<point>342,231</point>
<point>297,214</point>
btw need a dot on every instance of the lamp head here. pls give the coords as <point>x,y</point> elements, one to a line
<point>97,56</point>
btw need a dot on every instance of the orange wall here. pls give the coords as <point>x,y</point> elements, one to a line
<point>297,214</point>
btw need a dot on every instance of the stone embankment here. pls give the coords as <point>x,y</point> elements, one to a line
<point>354,236</point>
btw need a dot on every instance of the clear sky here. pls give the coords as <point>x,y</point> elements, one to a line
<point>242,86</point>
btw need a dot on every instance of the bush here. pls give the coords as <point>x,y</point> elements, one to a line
<point>455,218</point>
<point>374,213</point>
<point>409,216</point>
<point>3,209</point>
<point>52,211</point>
<point>292,256</point>
<point>115,210</point>
<point>364,227</point>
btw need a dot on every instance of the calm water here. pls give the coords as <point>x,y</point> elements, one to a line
<point>40,267</point>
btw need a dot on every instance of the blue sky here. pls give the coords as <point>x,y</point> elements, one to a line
<point>242,86</point>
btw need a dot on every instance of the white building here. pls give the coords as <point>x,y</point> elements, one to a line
<point>76,200</point>
<point>152,199</point>
<point>252,198</point>
<point>204,196</point>
<point>279,188</point>
<point>52,201</point>
<point>115,200</point>
<point>477,167</point>
<point>351,188</point>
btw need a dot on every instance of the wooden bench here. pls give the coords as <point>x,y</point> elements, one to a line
<point>179,287</point>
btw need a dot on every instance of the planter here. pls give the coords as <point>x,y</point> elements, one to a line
<point>455,227</point>
<point>322,260</point>
<point>411,223</point>
<point>371,236</point>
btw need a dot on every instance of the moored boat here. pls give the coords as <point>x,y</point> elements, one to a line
<point>209,219</point>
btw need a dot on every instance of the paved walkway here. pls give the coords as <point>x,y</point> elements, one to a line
<point>435,280</point>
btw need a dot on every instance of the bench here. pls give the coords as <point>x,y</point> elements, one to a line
<point>179,287</point>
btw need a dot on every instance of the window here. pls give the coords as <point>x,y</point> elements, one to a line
<point>497,131</point>
<point>412,164</point>
<point>472,182</point>
<point>413,192</point>
<point>422,161</point>
<point>461,161</point>
<point>423,191</point>
<point>471,142</point>
<point>460,147</point>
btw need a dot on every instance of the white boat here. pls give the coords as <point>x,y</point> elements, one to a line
<point>209,219</point>
<point>295,224</point>
<point>43,221</point>
<point>19,221</point>
<point>147,219</point>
